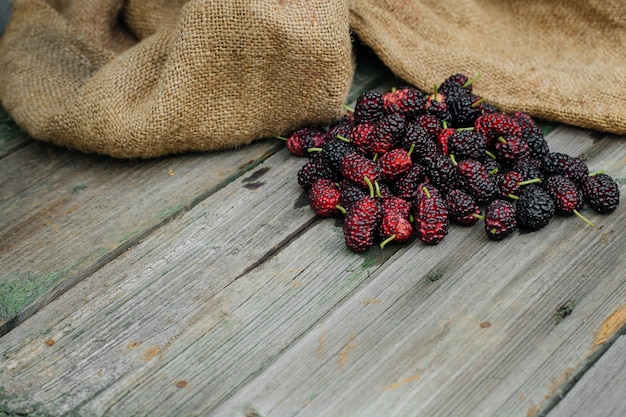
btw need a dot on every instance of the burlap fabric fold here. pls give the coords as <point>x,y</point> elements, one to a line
<point>139,79</point>
<point>561,60</point>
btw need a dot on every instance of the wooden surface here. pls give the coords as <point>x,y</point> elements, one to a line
<point>601,390</point>
<point>204,285</point>
<point>5,12</point>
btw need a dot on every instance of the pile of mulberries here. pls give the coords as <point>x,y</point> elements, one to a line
<point>404,164</point>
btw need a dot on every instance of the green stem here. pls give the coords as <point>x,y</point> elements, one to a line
<point>512,196</point>
<point>411,149</point>
<point>425,189</point>
<point>341,209</point>
<point>583,218</point>
<point>478,102</point>
<point>389,239</point>
<point>370,186</point>
<point>533,181</point>
<point>491,155</point>
<point>501,140</point>
<point>346,107</point>
<point>472,80</point>
<point>281,137</point>
<point>494,171</point>
<point>453,159</point>
<point>343,138</point>
<point>377,189</point>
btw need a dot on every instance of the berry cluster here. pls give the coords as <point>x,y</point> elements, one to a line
<point>406,164</point>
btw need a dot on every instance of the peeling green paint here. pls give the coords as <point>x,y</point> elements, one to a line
<point>169,211</point>
<point>547,127</point>
<point>35,410</point>
<point>367,263</point>
<point>16,293</point>
<point>127,236</point>
<point>77,188</point>
<point>14,296</point>
<point>435,274</point>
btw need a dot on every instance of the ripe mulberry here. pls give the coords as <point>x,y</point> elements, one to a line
<point>500,219</point>
<point>462,208</point>
<point>324,198</point>
<point>601,192</point>
<point>535,207</point>
<point>359,169</point>
<point>407,101</point>
<point>430,211</point>
<point>476,180</point>
<point>556,163</point>
<point>361,224</point>
<point>369,107</point>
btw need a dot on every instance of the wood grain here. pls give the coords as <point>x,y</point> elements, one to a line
<point>249,304</point>
<point>65,214</point>
<point>11,136</point>
<point>600,392</point>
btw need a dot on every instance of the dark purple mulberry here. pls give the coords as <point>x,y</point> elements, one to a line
<point>369,107</point>
<point>601,192</point>
<point>462,208</point>
<point>535,207</point>
<point>500,219</point>
<point>556,163</point>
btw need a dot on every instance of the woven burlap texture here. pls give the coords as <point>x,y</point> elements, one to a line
<point>146,78</point>
<point>141,78</point>
<point>561,60</point>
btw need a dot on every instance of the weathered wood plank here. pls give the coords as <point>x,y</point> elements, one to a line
<point>11,137</point>
<point>195,256</point>
<point>315,329</point>
<point>64,214</point>
<point>488,338</point>
<point>90,209</point>
<point>600,392</point>
<point>5,13</point>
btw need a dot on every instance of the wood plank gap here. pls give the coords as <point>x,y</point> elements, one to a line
<point>562,391</point>
<point>71,281</point>
<point>12,138</point>
<point>276,248</point>
<point>66,284</point>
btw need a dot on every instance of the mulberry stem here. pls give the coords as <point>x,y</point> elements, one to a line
<point>370,186</point>
<point>478,102</point>
<point>389,239</point>
<point>583,218</point>
<point>533,181</point>
<point>472,80</point>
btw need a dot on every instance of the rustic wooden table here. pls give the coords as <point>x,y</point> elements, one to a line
<point>204,285</point>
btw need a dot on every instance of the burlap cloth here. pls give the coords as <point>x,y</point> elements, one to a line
<point>145,78</point>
